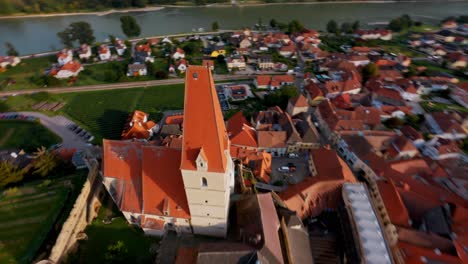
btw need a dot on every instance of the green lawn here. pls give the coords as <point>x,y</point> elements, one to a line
<point>437,107</point>
<point>103,113</point>
<point>101,235</point>
<point>29,213</point>
<point>22,73</point>
<point>25,135</point>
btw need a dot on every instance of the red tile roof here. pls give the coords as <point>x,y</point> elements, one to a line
<point>272,139</point>
<point>299,101</point>
<point>72,66</point>
<point>393,203</point>
<point>163,187</point>
<point>122,161</point>
<point>203,122</point>
<point>447,122</point>
<point>411,133</point>
<point>418,255</point>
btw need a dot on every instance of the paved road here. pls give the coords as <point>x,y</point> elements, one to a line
<point>113,86</point>
<point>57,124</point>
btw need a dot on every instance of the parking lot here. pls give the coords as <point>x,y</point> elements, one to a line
<point>291,177</point>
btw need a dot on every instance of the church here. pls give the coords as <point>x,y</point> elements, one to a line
<point>182,187</point>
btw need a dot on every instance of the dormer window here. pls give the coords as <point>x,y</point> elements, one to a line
<point>201,161</point>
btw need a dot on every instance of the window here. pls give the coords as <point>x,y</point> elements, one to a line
<point>204,182</point>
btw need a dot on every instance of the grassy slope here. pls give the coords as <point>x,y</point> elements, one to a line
<point>101,235</point>
<point>27,216</point>
<point>26,135</point>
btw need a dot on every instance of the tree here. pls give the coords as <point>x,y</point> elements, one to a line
<point>77,31</point>
<point>9,173</point>
<point>44,162</point>
<point>129,26</point>
<point>273,23</point>
<point>332,27</point>
<point>215,26</point>
<point>400,23</point>
<point>295,26</point>
<point>11,51</point>
<point>368,71</point>
<point>139,3</point>
<point>346,28</point>
<point>356,25</point>
<point>116,253</point>
<point>280,98</point>
<point>393,122</point>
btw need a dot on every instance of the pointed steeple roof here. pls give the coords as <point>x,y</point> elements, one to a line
<point>203,122</point>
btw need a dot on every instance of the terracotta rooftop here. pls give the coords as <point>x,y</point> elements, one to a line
<point>393,203</point>
<point>299,101</point>
<point>203,122</point>
<point>411,133</point>
<point>163,187</point>
<point>272,139</point>
<point>447,122</point>
<point>122,161</point>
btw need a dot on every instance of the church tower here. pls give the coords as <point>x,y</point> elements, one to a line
<point>206,165</point>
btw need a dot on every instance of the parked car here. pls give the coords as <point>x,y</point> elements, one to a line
<point>283,169</point>
<point>293,155</point>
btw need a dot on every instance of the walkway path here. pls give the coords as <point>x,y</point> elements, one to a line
<point>125,85</point>
<point>57,124</point>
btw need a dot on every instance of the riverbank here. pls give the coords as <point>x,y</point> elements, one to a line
<point>97,13</point>
<point>216,5</point>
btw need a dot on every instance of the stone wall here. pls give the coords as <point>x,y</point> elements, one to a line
<point>84,211</point>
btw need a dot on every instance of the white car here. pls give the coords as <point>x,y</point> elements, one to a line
<point>293,155</point>
<point>283,169</point>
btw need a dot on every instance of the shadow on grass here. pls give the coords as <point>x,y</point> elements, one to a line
<point>101,236</point>
<point>111,124</point>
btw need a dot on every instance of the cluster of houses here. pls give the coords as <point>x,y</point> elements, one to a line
<point>8,61</point>
<point>400,191</point>
<point>447,46</point>
<point>67,66</point>
<point>412,186</point>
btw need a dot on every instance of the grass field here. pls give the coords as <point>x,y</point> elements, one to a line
<point>25,135</point>
<point>22,73</point>
<point>103,113</point>
<point>29,213</point>
<point>101,235</point>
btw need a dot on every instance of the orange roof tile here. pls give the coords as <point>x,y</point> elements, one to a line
<point>272,139</point>
<point>162,182</point>
<point>393,203</point>
<point>203,122</point>
<point>418,255</point>
<point>299,101</point>
<point>423,239</point>
<point>72,66</point>
<point>122,161</point>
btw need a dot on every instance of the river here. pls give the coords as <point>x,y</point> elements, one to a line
<point>33,35</point>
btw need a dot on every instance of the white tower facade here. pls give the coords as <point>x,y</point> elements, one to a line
<point>206,165</point>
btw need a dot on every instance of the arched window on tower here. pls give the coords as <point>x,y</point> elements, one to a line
<point>204,182</point>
